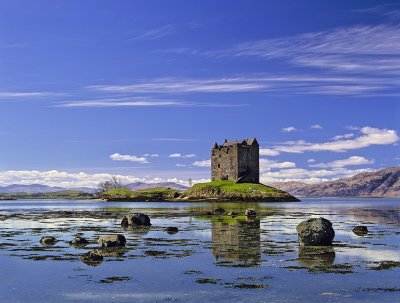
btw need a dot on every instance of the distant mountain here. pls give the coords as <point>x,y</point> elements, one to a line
<point>39,188</point>
<point>381,183</point>
<point>142,185</point>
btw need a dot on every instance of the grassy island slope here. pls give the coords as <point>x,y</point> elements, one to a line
<point>211,191</point>
<point>224,190</point>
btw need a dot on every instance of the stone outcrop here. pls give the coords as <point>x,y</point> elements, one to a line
<point>172,230</point>
<point>315,232</point>
<point>48,240</point>
<point>112,241</point>
<point>135,220</point>
<point>79,241</point>
<point>360,230</point>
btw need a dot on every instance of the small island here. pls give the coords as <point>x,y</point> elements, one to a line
<point>234,175</point>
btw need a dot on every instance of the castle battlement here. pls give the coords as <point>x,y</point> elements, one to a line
<point>236,160</point>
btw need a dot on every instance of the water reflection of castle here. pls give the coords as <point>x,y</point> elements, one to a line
<point>237,241</point>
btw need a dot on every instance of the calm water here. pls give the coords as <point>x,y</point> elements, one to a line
<point>211,258</point>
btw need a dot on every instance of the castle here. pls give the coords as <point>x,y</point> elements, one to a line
<point>236,160</point>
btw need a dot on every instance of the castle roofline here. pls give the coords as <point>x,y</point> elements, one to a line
<point>250,141</point>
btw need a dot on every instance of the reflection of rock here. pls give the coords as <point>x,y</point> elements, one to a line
<point>79,241</point>
<point>48,240</point>
<point>315,232</point>
<point>360,230</point>
<point>92,258</point>
<point>111,252</point>
<point>172,230</point>
<point>317,257</point>
<point>238,241</point>
<point>135,219</point>
<point>112,240</point>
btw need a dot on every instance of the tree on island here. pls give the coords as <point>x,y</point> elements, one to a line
<point>113,183</point>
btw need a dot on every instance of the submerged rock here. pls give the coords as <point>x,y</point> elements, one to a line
<point>135,219</point>
<point>172,230</point>
<point>250,212</point>
<point>315,232</point>
<point>112,240</point>
<point>92,258</point>
<point>79,241</point>
<point>360,230</point>
<point>48,240</point>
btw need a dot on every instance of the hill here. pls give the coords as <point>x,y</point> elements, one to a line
<point>39,188</point>
<point>381,183</point>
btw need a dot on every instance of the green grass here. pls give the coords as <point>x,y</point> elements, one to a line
<point>230,191</point>
<point>232,187</point>
<point>153,194</point>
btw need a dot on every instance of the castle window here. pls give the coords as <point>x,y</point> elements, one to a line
<point>219,165</point>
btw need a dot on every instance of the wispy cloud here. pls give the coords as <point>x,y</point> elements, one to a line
<point>176,86</point>
<point>368,136</point>
<point>294,83</point>
<point>351,161</point>
<point>131,158</point>
<point>14,94</point>
<point>353,49</point>
<point>154,33</point>
<point>139,102</point>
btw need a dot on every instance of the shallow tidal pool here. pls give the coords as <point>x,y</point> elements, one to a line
<point>211,257</point>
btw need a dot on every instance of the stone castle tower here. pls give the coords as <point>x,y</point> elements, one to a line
<point>236,160</point>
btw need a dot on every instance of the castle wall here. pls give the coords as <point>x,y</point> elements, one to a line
<point>224,163</point>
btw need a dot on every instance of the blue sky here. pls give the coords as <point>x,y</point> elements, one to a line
<point>142,89</point>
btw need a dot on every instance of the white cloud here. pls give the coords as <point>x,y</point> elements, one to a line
<point>181,165</point>
<point>178,155</point>
<point>289,129</point>
<point>266,165</point>
<point>72,180</point>
<point>204,163</point>
<point>353,160</point>
<point>268,152</point>
<point>345,136</point>
<point>310,160</point>
<point>309,176</point>
<point>316,126</point>
<point>369,136</point>
<point>151,155</point>
<point>132,158</point>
